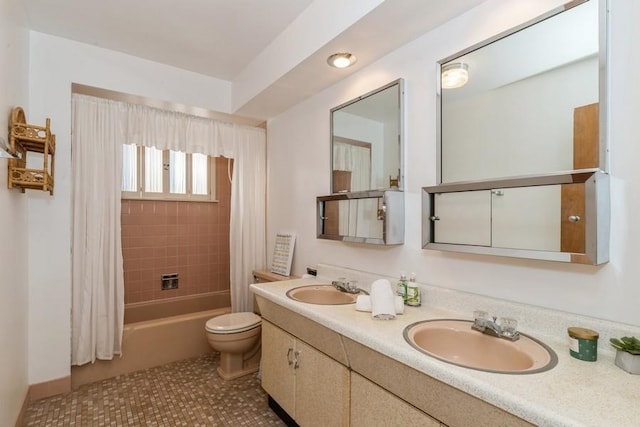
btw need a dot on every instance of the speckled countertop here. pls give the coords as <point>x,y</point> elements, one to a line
<point>574,393</point>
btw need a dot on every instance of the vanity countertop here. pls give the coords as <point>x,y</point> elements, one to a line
<point>574,393</point>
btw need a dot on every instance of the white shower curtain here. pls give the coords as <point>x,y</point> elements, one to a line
<point>97,320</point>
<point>248,213</point>
<point>97,309</point>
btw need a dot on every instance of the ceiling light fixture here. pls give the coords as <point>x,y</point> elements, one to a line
<point>454,75</point>
<point>341,60</point>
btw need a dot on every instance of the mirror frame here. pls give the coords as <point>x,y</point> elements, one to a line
<point>602,77</point>
<point>400,83</point>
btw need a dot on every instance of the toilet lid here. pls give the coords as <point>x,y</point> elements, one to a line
<point>233,322</point>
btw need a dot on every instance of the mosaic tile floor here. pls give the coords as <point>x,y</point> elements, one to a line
<point>185,393</point>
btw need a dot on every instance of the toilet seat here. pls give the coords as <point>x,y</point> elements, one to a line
<point>233,323</point>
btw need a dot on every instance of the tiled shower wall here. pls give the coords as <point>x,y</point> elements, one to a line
<point>188,238</point>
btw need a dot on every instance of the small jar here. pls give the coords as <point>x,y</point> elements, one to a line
<point>583,343</point>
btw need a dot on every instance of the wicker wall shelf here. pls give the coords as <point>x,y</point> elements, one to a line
<point>25,138</point>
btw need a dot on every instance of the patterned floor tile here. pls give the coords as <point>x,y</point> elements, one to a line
<point>187,393</point>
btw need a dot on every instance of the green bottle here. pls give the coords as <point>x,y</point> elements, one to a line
<point>413,292</point>
<point>402,287</point>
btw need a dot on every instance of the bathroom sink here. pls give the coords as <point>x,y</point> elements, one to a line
<point>454,341</point>
<point>321,294</point>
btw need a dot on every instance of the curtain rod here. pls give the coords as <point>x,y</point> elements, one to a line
<point>165,105</point>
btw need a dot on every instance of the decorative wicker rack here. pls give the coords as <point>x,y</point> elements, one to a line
<point>26,138</point>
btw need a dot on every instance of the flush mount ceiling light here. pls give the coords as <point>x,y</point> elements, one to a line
<point>341,60</point>
<point>454,75</point>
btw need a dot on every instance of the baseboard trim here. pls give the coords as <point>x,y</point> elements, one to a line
<point>49,388</point>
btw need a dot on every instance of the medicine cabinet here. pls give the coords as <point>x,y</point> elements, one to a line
<point>522,148</point>
<point>375,217</point>
<point>555,217</point>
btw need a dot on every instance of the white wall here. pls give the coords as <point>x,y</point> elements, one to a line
<point>14,68</point>
<point>55,63</point>
<point>298,158</point>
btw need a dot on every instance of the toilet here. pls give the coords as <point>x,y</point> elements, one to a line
<point>237,337</point>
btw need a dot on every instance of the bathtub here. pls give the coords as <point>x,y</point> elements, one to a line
<point>156,333</point>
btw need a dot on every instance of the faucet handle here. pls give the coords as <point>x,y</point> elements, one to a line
<point>480,316</point>
<point>340,281</point>
<point>345,285</point>
<point>351,285</point>
<point>508,326</point>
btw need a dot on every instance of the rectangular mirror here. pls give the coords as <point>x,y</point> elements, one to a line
<point>375,217</point>
<point>366,141</point>
<point>527,102</point>
<point>556,217</point>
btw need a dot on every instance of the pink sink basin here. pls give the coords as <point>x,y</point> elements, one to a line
<point>454,341</point>
<point>321,294</point>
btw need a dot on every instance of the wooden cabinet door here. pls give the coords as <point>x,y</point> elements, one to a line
<point>373,406</point>
<point>322,389</point>
<point>277,376</point>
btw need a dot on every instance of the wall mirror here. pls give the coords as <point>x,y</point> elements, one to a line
<point>532,103</point>
<point>375,217</point>
<point>522,143</point>
<point>366,141</point>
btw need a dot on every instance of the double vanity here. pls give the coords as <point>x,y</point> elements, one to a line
<point>521,170</point>
<point>328,364</point>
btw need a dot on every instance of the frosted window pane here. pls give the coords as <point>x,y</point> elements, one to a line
<point>178,173</point>
<point>129,167</point>
<point>199,174</point>
<point>152,170</point>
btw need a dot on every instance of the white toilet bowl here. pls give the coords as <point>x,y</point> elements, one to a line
<point>237,337</point>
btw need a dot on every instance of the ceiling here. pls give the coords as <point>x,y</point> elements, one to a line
<point>236,40</point>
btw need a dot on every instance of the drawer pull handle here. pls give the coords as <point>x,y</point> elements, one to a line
<point>296,365</point>
<point>289,359</point>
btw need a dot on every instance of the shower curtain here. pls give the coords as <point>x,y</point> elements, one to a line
<point>100,127</point>
<point>97,306</point>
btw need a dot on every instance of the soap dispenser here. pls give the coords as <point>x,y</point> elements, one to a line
<point>413,292</point>
<point>402,287</point>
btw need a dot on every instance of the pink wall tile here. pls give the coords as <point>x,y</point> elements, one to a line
<point>188,238</point>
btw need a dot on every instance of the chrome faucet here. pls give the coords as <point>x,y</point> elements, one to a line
<point>344,285</point>
<point>504,328</point>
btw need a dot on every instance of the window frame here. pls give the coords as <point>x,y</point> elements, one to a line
<point>141,194</point>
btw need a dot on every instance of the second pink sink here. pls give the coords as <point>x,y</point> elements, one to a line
<point>454,341</point>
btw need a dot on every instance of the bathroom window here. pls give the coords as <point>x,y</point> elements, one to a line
<point>149,173</point>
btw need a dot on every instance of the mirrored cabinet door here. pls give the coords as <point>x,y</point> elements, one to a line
<point>463,218</point>
<point>516,218</point>
<point>527,217</point>
<point>375,217</point>
<point>565,220</point>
